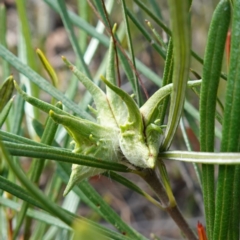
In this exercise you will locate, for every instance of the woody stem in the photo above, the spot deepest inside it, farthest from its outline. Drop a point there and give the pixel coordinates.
(154, 182)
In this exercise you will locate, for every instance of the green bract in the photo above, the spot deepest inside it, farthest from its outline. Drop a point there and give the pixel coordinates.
(122, 132)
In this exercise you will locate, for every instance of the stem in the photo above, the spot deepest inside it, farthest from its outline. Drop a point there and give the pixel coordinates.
(151, 178)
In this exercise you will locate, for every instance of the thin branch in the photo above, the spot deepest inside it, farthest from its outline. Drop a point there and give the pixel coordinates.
(152, 179)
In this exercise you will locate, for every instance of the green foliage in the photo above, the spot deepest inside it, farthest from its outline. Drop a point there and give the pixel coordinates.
(120, 132)
(211, 76)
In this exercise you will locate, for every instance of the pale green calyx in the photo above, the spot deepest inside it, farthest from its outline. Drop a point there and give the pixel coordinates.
(90, 139)
(123, 131)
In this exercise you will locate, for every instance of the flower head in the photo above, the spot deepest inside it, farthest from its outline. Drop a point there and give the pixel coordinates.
(122, 130)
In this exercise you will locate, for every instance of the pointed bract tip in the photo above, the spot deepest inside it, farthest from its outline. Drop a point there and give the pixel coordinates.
(66, 191)
(68, 188)
(59, 105)
(103, 79)
(10, 78)
(69, 64)
(51, 113)
(148, 23)
(114, 29)
(15, 84)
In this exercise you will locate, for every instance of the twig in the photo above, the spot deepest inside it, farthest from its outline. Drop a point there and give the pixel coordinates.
(151, 178)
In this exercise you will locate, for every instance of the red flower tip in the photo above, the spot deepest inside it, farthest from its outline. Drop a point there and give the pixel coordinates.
(201, 232)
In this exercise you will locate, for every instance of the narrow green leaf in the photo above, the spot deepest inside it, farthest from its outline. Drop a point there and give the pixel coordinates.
(101, 12)
(210, 79)
(5, 111)
(167, 78)
(22, 14)
(64, 156)
(228, 192)
(18, 192)
(84, 12)
(181, 53)
(157, 36)
(18, 113)
(6, 136)
(211, 73)
(126, 66)
(6, 91)
(156, 8)
(229, 158)
(51, 72)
